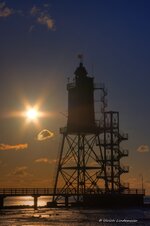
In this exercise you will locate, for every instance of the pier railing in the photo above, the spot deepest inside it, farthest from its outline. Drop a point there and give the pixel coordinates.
(26, 191)
(50, 191)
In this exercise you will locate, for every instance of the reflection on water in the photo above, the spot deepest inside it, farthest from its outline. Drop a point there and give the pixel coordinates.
(42, 201)
(68, 217)
(25, 201)
(72, 217)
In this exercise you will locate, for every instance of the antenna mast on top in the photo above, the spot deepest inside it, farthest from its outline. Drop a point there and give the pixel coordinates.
(80, 57)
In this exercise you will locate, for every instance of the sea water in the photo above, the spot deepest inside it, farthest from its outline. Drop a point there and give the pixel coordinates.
(70, 216)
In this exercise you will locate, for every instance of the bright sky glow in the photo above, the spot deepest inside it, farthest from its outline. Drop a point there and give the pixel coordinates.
(32, 114)
(36, 62)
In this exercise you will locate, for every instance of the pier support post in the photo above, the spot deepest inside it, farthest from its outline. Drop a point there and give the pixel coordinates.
(35, 201)
(2, 201)
(66, 200)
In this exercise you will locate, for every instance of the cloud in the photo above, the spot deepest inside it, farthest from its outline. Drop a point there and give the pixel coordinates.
(42, 16)
(45, 160)
(5, 11)
(21, 171)
(42, 160)
(16, 147)
(34, 10)
(46, 20)
(143, 148)
(44, 135)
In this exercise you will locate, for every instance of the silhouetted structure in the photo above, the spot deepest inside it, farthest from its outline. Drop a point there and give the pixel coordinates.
(89, 169)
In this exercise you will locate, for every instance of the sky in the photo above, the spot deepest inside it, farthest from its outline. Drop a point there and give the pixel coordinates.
(39, 44)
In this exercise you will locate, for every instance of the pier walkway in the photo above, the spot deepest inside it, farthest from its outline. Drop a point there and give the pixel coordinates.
(37, 192)
(34, 192)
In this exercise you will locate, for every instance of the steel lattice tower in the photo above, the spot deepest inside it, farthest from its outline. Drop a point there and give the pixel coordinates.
(112, 153)
(89, 157)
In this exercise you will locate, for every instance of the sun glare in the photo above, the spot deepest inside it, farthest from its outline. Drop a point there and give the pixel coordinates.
(32, 114)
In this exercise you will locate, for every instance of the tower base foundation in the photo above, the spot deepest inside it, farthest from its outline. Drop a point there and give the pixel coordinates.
(113, 200)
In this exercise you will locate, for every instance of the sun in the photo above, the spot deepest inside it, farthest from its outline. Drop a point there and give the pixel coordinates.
(32, 114)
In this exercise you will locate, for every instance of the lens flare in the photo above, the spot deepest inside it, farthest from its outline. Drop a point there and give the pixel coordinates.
(44, 135)
(32, 114)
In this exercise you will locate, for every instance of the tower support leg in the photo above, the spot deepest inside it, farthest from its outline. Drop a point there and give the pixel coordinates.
(74, 170)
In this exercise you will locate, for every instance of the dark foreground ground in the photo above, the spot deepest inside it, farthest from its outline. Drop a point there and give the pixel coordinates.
(74, 217)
